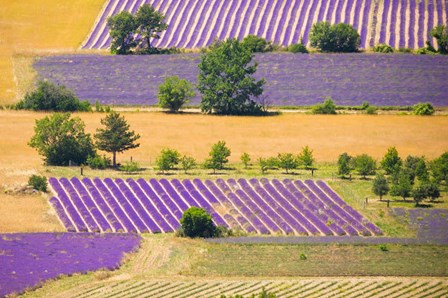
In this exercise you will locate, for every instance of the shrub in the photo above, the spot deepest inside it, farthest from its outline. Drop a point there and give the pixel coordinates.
(298, 48)
(425, 109)
(98, 162)
(383, 48)
(405, 50)
(328, 107)
(371, 110)
(130, 167)
(245, 159)
(167, 159)
(196, 222)
(334, 38)
(38, 182)
(51, 97)
(257, 44)
(174, 93)
(383, 247)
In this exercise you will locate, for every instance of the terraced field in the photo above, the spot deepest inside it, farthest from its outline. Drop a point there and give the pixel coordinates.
(195, 24)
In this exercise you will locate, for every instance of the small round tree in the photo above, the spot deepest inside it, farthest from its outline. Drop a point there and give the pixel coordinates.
(380, 186)
(174, 93)
(334, 38)
(196, 222)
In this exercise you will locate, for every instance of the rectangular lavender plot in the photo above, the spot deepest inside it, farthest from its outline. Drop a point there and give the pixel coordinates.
(155, 200)
(117, 209)
(91, 206)
(150, 207)
(136, 205)
(108, 213)
(62, 215)
(68, 206)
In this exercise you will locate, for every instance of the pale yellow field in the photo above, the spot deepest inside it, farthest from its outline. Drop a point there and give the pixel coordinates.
(193, 134)
(44, 26)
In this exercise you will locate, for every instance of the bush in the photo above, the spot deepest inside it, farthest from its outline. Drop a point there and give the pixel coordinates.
(130, 167)
(424, 109)
(405, 50)
(257, 44)
(334, 38)
(174, 93)
(51, 97)
(38, 182)
(298, 48)
(196, 222)
(371, 110)
(168, 159)
(98, 162)
(383, 48)
(328, 108)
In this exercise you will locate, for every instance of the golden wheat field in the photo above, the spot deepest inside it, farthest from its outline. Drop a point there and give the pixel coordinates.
(40, 26)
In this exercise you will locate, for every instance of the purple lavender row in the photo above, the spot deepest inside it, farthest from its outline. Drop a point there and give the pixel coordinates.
(149, 207)
(171, 40)
(421, 19)
(173, 194)
(348, 223)
(253, 207)
(292, 193)
(189, 26)
(357, 14)
(270, 35)
(277, 215)
(159, 205)
(238, 18)
(338, 11)
(365, 24)
(430, 19)
(331, 7)
(110, 216)
(202, 35)
(140, 211)
(355, 214)
(167, 35)
(309, 23)
(252, 218)
(311, 221)
(79, 205)
(348, 10)
(283, 207)
(404, 6)
(115, 206)
(296, 35)
(98, 25)
(386, 5)
(334, 222)
(393, 23)
(127, 207)
(203, 203)
(65, 201)
(168, 12)
(90, 204)
(412, 23)
(62, 215)
(241, 222)
(164, 197)
(281, 24)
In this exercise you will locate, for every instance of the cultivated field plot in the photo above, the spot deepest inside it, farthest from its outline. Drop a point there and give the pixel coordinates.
(29, 259)
(358, 287)
(195, 24)
(253, 206)
(291, 79)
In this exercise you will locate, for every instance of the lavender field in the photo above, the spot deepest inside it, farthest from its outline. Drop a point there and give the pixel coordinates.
(195, 24)
(254, 206)
(291, 80)
(27, 260)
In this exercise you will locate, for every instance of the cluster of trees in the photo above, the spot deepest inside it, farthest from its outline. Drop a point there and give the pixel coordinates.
(134, 32)
(62, 140)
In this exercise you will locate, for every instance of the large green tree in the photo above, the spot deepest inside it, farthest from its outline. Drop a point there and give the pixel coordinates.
(334, 38)
(116, 136)
(391, 162)
(365, 165)
(122, 29)
(61, 139)
(150, 23)
(226, 82)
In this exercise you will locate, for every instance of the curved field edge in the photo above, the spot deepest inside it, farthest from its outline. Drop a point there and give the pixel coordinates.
(173, 267)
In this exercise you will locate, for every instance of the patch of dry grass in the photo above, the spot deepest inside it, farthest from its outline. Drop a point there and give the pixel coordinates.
(40, 25)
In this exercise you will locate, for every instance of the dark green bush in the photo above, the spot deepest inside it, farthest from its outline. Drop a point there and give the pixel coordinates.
(383, 48)
(196, 222)
(327, 108)
(334, 38)
(425, 109)
(257, 44)
(130, 167)
(298, 48)
(38, 182)
(98, 162)
(51, 97)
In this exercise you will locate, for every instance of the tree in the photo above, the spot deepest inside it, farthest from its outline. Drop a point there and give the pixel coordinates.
(424, 109)
(365, 165)
(218, 156)
(60, 140)
(174, 93)
(150, 23)
(419, 194)
(116, 136)
(327, 107)
(257, 44)
(122, 29)
(380, 185)
(287, 161)
(196, 222)
(344, 164)
(391, 161)
(245, 159)
(403, 186)
(334, 38)
(226, 82)
(440, 33)
(167, 159)
(439, 168)
(52, 97)
(187, 163)
(416, 167)
(267, 163)
(306, 158)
